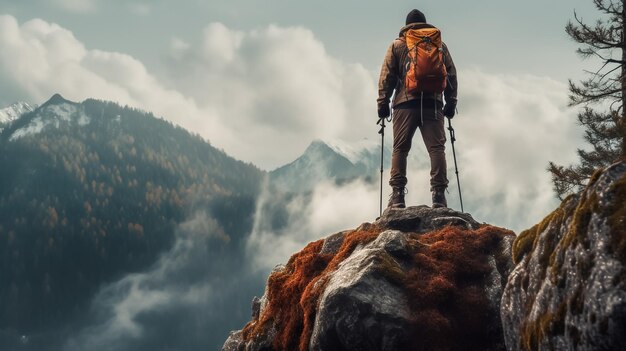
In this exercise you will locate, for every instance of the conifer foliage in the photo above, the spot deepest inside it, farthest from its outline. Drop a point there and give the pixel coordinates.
(601, 95)
(97, 193)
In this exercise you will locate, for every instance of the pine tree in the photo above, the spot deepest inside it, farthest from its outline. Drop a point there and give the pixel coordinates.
(602, 96)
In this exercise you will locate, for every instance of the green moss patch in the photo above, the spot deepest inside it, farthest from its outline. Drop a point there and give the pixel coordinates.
(526, 241)
(552, 322)
(616, 214)
(549, 323)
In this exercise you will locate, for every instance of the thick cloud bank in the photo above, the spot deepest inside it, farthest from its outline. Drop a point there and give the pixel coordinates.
(193, 295)
(273, 86)
(284, 223)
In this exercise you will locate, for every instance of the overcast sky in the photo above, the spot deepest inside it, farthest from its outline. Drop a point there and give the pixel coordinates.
(501, 36)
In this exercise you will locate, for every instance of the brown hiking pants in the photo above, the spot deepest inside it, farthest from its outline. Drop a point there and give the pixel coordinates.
(405, 123)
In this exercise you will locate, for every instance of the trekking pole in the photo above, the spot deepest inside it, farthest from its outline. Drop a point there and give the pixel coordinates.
(381, 122)
(456, 168)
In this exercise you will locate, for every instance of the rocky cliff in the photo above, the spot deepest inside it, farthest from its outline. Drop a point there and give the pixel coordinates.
(568, 289)
(416, 279)
(435, 279)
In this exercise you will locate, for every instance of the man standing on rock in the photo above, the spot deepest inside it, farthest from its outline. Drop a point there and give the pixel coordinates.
(419, 68)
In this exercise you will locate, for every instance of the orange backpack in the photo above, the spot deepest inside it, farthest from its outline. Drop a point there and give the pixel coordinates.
(426, 72)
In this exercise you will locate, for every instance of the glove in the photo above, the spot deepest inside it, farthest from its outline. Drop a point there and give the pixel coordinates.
(383, 111)
(450, 108)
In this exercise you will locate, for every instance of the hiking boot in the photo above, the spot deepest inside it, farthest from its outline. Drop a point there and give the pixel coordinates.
(439, 198)
(396, 200)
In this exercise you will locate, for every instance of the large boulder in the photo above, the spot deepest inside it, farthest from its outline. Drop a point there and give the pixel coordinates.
(568, 289)
(416, 279)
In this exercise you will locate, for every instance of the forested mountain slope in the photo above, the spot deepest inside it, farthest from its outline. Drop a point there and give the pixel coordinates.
(90, 191)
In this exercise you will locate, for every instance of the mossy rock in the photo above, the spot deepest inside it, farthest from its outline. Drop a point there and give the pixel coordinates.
(568, 289)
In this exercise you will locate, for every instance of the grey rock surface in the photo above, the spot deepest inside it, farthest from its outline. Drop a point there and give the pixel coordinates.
(234, 342)
(568, 290)
(360, 308)
(422, 219)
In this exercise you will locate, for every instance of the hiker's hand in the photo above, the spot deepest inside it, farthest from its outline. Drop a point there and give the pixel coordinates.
(383, 111)
(449, 109)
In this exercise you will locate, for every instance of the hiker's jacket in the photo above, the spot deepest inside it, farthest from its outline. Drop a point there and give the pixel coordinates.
(393, 72)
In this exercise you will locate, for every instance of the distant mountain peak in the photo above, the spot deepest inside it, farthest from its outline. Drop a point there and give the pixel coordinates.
(354, 151)
(57, 99)
(14, 111)
(326, 160)
(318, 145)
(55, 113)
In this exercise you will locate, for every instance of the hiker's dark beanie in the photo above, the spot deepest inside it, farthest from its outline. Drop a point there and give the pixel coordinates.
(415, 16)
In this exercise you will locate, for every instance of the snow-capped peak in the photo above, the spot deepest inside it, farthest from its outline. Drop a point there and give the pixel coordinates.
(356, 151)
(14, 111)
(55, 113)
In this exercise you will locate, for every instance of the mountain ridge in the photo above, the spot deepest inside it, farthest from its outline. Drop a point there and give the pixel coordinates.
(14, 111)
(330, 160)
(93, 191)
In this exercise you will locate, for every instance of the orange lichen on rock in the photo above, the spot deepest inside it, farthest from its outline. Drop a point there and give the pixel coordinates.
(284, 289)
(293, 292)
(315, 289)
(445, 287)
